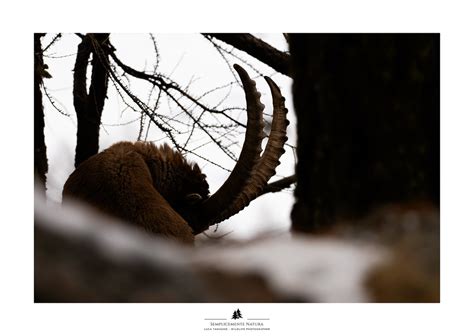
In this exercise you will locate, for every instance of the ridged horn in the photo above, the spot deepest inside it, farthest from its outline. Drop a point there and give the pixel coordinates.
(249, 156)
(267, 164)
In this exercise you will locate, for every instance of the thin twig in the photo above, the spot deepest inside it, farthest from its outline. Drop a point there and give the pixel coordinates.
(55, 39)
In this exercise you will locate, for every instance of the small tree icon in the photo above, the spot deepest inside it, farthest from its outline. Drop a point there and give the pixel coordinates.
(236, 315)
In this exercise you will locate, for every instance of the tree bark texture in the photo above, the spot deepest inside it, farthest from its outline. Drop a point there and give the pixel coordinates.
(368, 116)
(89, 105)
(40, 157)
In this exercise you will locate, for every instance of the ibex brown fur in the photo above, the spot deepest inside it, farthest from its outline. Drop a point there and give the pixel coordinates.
(158, 190)
(142, 184)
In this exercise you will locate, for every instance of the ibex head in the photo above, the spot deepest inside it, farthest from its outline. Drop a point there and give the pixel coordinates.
(157, 189)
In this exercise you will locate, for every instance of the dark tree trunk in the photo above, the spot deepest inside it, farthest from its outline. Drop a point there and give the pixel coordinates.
(89, 105)
(40, 158)
(368, 123)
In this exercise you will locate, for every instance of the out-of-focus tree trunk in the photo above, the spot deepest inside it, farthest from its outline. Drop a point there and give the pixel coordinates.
(40, 158)
(368, 123)
(89, 105)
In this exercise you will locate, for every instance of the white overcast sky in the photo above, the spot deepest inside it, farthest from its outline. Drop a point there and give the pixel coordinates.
(185, 58)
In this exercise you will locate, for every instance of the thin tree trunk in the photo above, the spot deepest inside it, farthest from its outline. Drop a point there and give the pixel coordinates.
(368, 123)
(89, 105)
(40, 158)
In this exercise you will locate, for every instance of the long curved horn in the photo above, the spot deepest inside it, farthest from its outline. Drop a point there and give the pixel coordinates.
(265, 167)
(248, 158)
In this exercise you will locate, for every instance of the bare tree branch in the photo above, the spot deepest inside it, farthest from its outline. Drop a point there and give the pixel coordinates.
(54, 103)
(167, 86)
(257, 48)
(53, 41)
(279, 185)
(161, 82)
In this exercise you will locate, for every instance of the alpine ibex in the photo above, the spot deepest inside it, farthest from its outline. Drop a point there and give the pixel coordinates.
(158, 190)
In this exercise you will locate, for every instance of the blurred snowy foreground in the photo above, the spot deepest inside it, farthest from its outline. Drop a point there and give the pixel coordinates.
(82, 256)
